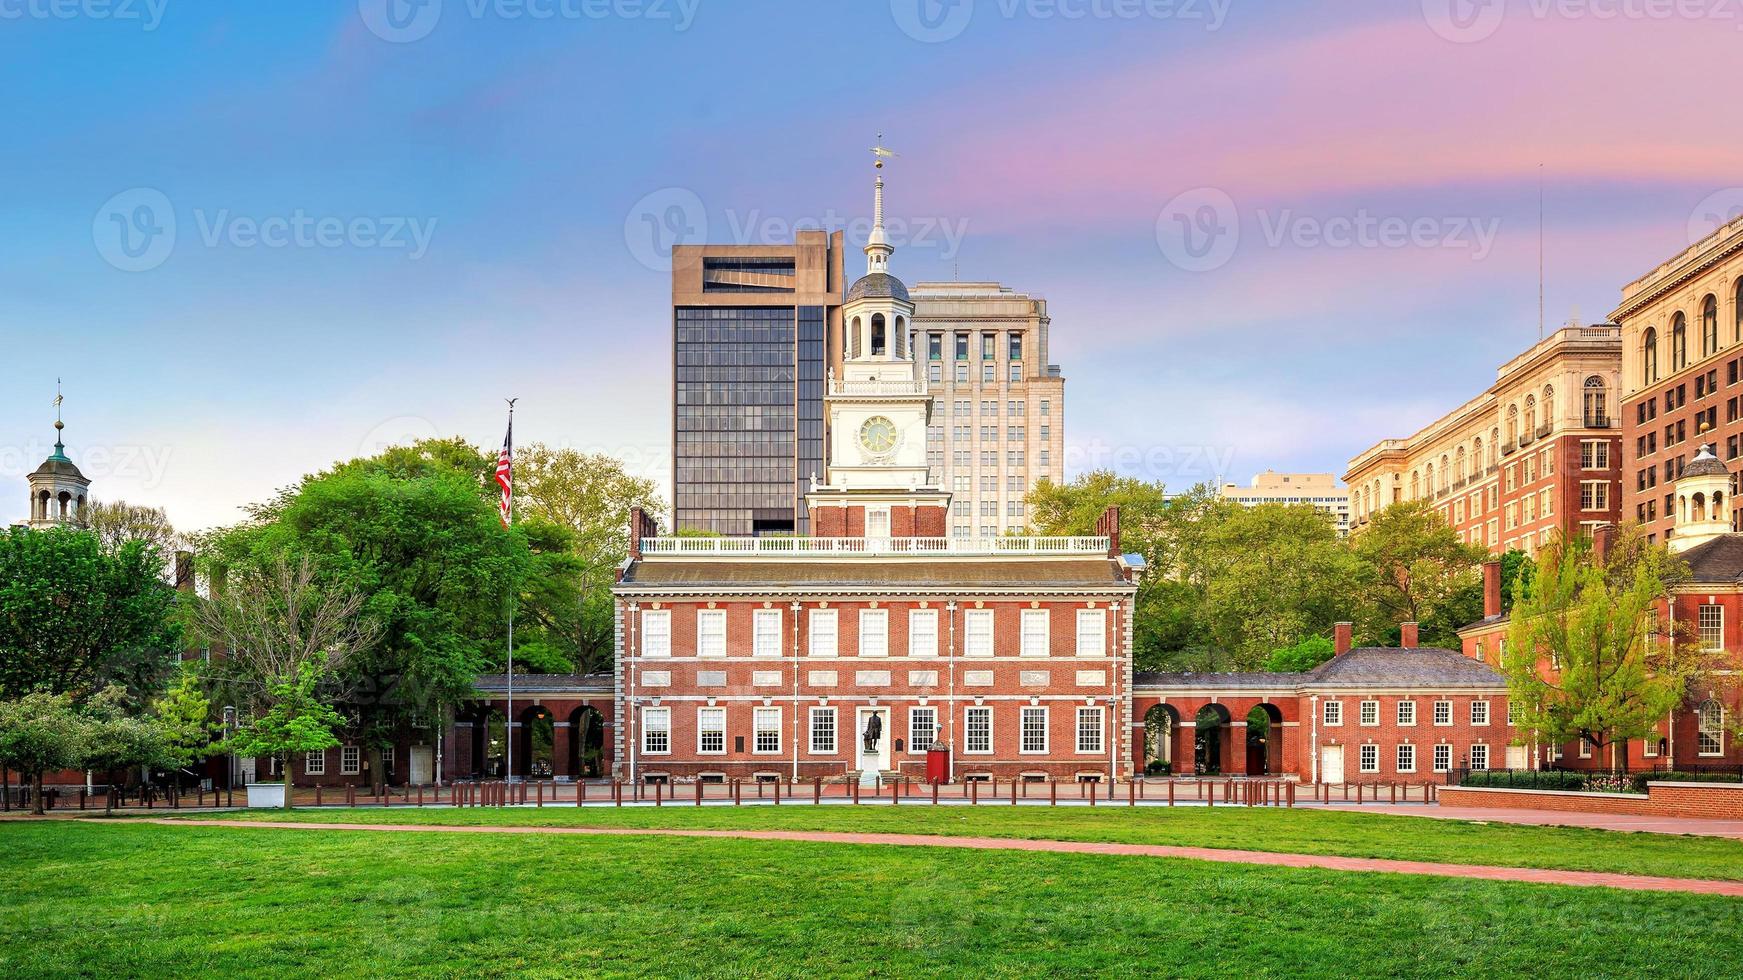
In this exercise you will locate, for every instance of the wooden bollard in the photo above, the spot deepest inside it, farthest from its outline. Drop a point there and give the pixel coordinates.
(1170, 792)
(1210, 797)
(1394, 788)
(616, 791)
(1014, 783)
(935, 793)
(856, 792)
(1092, 794)
(659, 793)
(816, 790)
(1132, 792)
(777, 792)
(1052, 793)
(580, 791)
(974, 792)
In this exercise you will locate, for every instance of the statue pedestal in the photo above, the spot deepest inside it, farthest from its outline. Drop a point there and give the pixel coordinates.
(868, 778)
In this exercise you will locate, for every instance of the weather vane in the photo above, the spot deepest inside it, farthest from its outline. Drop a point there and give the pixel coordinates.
(880, 151)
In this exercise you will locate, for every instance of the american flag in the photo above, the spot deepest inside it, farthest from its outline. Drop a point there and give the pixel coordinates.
(505, 471)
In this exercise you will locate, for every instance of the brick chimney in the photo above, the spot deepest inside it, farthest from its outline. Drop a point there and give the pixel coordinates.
(1492, 588)
(641, 526)
(185, 571)
(1341, 636)
(1109, 527)
(1603, 540)
(1407, 636)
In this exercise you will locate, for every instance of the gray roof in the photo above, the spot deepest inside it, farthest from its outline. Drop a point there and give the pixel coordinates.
(980, 574)
(535, 684)
(1361, 669)
(1705, 465)
(877, 285)
(1718, 560)
(58, 465)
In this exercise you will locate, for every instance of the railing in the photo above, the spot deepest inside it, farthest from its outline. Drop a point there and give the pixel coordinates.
(878, 387)
(859, 547)
(1544, 430)
(1598, 422)
(1508, 449)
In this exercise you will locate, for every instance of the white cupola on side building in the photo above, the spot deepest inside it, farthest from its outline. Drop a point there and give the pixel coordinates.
(58, 491)
(1702, 501)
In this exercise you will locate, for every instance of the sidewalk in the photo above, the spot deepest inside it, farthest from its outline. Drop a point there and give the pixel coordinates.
(1696, 826)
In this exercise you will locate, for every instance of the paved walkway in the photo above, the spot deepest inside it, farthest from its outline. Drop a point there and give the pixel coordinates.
(1732, 889)
(1556, 818)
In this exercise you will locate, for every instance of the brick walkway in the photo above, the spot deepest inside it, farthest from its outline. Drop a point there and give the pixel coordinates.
(1557, 818)
(1732, 889)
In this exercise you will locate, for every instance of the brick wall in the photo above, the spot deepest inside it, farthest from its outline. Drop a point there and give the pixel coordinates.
(1718, 801)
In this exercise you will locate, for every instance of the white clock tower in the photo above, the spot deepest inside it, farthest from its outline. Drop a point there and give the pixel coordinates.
(879, 407)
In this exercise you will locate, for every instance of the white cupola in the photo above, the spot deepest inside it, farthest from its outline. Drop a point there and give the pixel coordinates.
(1702, 504)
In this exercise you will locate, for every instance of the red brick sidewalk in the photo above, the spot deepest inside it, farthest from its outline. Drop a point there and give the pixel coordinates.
(1533, 875)
(1557, 818)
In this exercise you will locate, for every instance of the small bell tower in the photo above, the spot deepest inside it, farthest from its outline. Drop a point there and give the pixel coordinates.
(58, 491)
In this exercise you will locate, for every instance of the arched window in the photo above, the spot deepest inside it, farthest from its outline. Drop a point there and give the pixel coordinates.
(1679, 343)
(878, 341)
(1512, 426)
(1698, 507)
(901, 334)
(1428, 486)
(1445, 472)
(1477, 458)
(1530, 415)
(1737, 312)
(1460, 457)
(1710, 325)
(1549, 408)
(1710, 723)
(1595, 407)
(1415, 484)
(1649, 356)
(1494, 447)
(853, 338)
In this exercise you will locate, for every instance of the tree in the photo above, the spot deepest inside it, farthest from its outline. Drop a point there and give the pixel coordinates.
(113, 740)
(296, 719)
(184, 716)
(41, 732)
(1275, 575)
(118, 522)
(1301, 657)
(1465, 605)
(1590, 655)
(1411, 562)
(74, 615)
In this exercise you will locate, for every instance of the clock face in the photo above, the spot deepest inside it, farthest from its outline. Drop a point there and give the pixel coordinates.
(878, 434)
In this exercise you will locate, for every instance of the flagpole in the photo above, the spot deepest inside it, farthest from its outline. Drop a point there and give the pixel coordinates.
(507, 515)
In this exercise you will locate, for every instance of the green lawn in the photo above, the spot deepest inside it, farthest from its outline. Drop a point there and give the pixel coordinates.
(138, 899)
(1303, 831)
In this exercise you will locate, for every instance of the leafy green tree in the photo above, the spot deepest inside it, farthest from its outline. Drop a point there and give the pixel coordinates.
(74, 615)
(41, 732)
(184, 716)
(1465, 605)
(297, 719)
(1301, 657)
(115, 523)
(1589, 652)
(1410, 563)
(112, 739)
(1275, 575)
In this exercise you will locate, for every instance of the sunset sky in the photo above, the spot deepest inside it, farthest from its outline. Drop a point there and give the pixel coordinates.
(477, 196)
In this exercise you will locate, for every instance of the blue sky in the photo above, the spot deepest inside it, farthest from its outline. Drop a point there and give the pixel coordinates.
(387, 217)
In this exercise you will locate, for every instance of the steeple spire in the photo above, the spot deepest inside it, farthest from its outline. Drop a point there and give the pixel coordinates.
(877, 245)
(60, 449)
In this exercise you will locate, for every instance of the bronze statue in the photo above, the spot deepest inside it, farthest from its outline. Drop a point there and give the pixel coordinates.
(874, 730)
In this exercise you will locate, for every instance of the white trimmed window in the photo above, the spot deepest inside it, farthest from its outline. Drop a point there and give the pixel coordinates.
(1595, 495)
(767, 731)
(823, 632)
(1479, 756)
(1370, 713)
(1512, 715)
(766, 633)
(1585, 747)
(1034, 731)
(1333, 713)
(1443, 758)
(1035, 629)
(922, 728)
(874, 632)
(1479, 712)
(1710, 729)
(350, 760)
(1089, 729)
(1443, 712)
(1407, 712)
(1594, 454)
(657, 731)
(822, 731)
(1092, 632)
(710, 632)
(978, 624)
(1406, 758)
(657, 633)
(923, 633)
(978, 731)
(1370, 758)
(711, 731)
(1649, 746)
(1712, 623)
(315, 763)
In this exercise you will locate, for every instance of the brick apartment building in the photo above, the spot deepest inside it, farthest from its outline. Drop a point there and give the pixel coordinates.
(1682, 331)
(1536, 453)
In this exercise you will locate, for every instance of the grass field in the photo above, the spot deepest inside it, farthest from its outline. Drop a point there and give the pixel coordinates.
(1301, 831)
(128, 898)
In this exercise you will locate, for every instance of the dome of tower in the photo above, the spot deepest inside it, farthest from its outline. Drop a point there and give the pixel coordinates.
(1705, 464)
(877, 285)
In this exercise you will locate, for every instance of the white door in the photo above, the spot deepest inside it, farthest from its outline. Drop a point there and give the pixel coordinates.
(423, 761)
(876, 759)
(1331, 764)
(1517, 757)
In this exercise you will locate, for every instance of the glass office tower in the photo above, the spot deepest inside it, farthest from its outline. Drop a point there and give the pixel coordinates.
(750, 336)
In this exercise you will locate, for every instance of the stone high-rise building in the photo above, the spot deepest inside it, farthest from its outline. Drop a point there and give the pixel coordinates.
(1000, 419)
